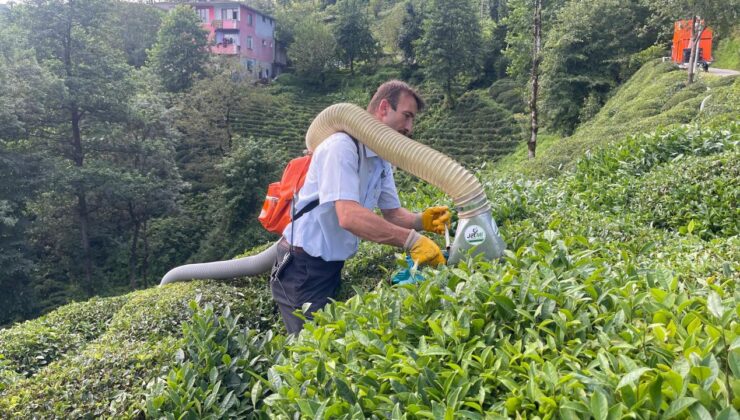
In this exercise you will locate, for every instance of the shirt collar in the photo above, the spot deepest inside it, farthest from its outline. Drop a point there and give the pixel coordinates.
(369, 152)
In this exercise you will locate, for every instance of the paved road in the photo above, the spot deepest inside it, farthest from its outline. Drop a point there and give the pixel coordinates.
(723, 72)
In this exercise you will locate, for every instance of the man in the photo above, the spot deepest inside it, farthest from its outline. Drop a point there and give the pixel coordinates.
(350, 180)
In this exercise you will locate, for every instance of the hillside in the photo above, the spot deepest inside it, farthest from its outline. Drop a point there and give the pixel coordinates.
(478, 129)
(618, 297)
(656, 96)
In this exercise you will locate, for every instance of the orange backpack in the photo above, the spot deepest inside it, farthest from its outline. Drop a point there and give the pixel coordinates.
(278, 206)
(276, 210)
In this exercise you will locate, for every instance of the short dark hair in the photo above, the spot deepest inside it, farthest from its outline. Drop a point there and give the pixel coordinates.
(391, 91)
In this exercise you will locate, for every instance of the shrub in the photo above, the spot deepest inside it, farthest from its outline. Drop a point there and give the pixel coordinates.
(29, 346)
(220, 372)
(693, 194)
(106, 377)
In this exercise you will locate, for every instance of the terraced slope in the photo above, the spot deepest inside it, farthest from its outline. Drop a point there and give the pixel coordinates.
(477, 130)
(284, 121)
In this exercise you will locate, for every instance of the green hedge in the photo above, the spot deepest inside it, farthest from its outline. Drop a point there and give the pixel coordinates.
(107, 376)
(29, 346)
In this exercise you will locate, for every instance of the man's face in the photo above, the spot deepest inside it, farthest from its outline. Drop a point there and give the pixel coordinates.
(402, 118)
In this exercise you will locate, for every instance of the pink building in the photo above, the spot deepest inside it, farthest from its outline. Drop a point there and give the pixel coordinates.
(238, 30)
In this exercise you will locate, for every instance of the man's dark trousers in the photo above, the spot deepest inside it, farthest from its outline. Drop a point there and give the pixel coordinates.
(304, 279)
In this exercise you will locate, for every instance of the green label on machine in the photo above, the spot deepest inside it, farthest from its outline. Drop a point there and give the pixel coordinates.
(474, 235)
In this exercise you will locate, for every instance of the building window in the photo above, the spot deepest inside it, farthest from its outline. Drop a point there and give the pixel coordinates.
(230, 14)
(263, 18)
(231, 39)
(202, 14)
(249, 42)
(264, 42)
(249, 19)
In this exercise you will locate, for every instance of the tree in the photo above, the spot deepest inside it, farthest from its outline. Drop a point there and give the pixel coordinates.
(180, 54)
(584, 55)
(208, 117)
(450, 46)
(148, 182)
(411, 30)
(235, 204)
(135, 26)
(71, 41)
(535, 81)
(313, 50)
(352, 33)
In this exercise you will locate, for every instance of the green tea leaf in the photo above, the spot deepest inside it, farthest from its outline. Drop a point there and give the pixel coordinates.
(599, 405)
(698, 412)
(678, 406)
(714, 303)
(728, 413)
(633, 376)
(344, 391)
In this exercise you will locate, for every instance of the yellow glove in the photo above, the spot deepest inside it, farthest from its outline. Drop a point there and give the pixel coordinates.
(434, 219)
(423, 250)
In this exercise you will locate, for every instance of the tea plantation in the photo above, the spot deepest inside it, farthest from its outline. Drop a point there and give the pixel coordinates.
(617, 298)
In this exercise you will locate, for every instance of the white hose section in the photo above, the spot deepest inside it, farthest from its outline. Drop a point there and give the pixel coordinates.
(418, 159)
(248, 266)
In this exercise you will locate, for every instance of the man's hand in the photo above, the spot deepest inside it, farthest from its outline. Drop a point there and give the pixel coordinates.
(423, 250)
(434, 219)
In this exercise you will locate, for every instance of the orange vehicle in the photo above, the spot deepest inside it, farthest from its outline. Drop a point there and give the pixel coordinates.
(681, 49)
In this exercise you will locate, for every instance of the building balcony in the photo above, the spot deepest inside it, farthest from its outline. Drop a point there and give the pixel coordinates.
(225, 49)
(225, 24)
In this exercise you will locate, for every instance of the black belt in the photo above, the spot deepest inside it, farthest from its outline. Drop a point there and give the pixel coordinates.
(285, 245)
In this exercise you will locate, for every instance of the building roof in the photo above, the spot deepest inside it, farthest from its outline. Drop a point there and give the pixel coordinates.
(170, 5)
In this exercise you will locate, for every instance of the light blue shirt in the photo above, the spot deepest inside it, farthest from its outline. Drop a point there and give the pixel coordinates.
(334, 175)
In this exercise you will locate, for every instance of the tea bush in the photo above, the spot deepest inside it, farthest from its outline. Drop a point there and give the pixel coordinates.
(698, 194)
(557, 331)
(220, 372)
(107, 376)
(29, 346)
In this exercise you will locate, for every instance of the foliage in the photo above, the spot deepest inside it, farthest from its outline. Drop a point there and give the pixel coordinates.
(136, 26)
(411, 31)
(107, 376)
(30, 346)
(247, 171)
(180, 54)
(388, 28)
(698, 195)
(313, 49)
(482, 129)
(208, 119)
(583, 55)
(581, 320)
(519, 34)
(220, 371)
(449, 47)
(656, 96)
(355, 41)
(727, 53)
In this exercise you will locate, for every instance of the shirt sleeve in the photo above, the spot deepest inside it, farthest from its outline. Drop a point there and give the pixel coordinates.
(388, 198)
(338, 170)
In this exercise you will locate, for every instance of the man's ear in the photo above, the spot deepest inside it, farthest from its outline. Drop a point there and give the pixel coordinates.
(383, 107)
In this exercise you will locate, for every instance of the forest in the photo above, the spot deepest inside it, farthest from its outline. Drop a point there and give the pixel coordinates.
(127, 149)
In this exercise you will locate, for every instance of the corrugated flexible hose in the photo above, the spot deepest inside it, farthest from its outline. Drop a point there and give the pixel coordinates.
(420, 160)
